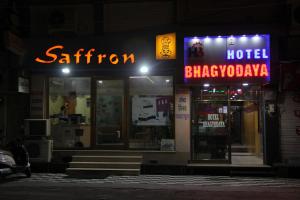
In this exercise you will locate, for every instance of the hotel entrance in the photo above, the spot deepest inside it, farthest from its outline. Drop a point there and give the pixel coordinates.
(226, 125)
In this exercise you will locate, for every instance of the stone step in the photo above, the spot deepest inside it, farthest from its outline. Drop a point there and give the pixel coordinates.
(241, 148)
(107, 153)
(112, 165)
(94, 172)
(94, 158)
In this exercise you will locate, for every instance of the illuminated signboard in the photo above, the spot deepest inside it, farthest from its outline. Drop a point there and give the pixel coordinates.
(57, 54)
(166, 46)
(227, 58)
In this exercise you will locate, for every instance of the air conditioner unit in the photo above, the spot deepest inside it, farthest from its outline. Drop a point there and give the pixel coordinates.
(39, 150)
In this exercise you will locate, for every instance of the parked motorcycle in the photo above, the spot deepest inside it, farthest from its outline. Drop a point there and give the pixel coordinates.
(14, 160)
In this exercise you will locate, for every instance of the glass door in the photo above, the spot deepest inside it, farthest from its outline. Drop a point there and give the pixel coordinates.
(109, 111)
(210, 128)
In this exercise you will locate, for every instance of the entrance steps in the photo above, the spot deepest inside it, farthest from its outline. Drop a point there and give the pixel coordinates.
(105, 162)
(241, 148)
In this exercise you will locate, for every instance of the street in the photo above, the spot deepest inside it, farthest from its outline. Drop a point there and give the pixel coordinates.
(59, 186)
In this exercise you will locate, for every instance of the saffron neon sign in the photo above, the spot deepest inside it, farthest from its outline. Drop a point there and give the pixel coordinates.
(227, 58)
(57, 54)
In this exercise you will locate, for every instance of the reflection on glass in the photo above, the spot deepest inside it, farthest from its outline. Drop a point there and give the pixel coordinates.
(249, 93)
(210, 93)
(152, 111)
(69, 110)
(210, 131)
(109, 105)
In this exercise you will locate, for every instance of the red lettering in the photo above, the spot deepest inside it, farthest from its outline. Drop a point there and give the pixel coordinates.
(223, 70)
(264, 70)
(239, 70)
(214, 71)
(188, 72)
(197, 71)
(247, 71)
(255, 68)
(230, 71)
(205, 71)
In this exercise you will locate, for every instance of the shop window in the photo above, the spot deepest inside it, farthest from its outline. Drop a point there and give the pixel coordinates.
(69, 111)
(109, 111)
(152, 113)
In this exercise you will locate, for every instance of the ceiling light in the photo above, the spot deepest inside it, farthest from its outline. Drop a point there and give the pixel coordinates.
(144, 69)
(65, 70)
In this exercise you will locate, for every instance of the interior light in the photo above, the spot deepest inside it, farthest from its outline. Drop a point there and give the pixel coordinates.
(100, 81)
(206, 85)
(65, 70)
(144, 69)
(239, 90)
(167, 80)
(245, 84)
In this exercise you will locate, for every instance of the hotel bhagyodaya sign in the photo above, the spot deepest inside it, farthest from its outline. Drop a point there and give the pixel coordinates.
(227, 58)
(166, 46)
(57, 54)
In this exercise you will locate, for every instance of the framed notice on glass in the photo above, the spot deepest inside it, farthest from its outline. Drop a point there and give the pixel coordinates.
(23, 85)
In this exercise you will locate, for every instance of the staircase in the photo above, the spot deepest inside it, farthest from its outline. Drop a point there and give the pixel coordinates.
(105, 162)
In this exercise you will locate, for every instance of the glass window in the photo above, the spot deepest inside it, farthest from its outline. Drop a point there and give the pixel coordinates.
(210, 93)
(69, 110)
(246, 93)
(109, 111)
(210, 130)
(152, 112)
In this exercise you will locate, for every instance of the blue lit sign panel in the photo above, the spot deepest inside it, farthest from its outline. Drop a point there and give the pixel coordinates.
(227, 58)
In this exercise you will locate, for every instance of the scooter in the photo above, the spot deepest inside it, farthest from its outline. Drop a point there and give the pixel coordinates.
(14, 160)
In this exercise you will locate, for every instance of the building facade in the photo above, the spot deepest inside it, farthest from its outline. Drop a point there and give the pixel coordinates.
(193, 85)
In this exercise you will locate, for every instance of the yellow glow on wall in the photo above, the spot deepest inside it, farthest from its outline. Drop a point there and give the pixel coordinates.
(166, 46)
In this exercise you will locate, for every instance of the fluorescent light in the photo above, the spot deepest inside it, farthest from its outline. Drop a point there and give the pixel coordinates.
(167, 80)
(100, 81)
(206, 85)
(65, 70)
(245, 84)
(239, 90)
(145, 77)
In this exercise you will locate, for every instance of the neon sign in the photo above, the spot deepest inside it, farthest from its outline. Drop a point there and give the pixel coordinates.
(222, 71)
(227, 58)
(54, 55)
